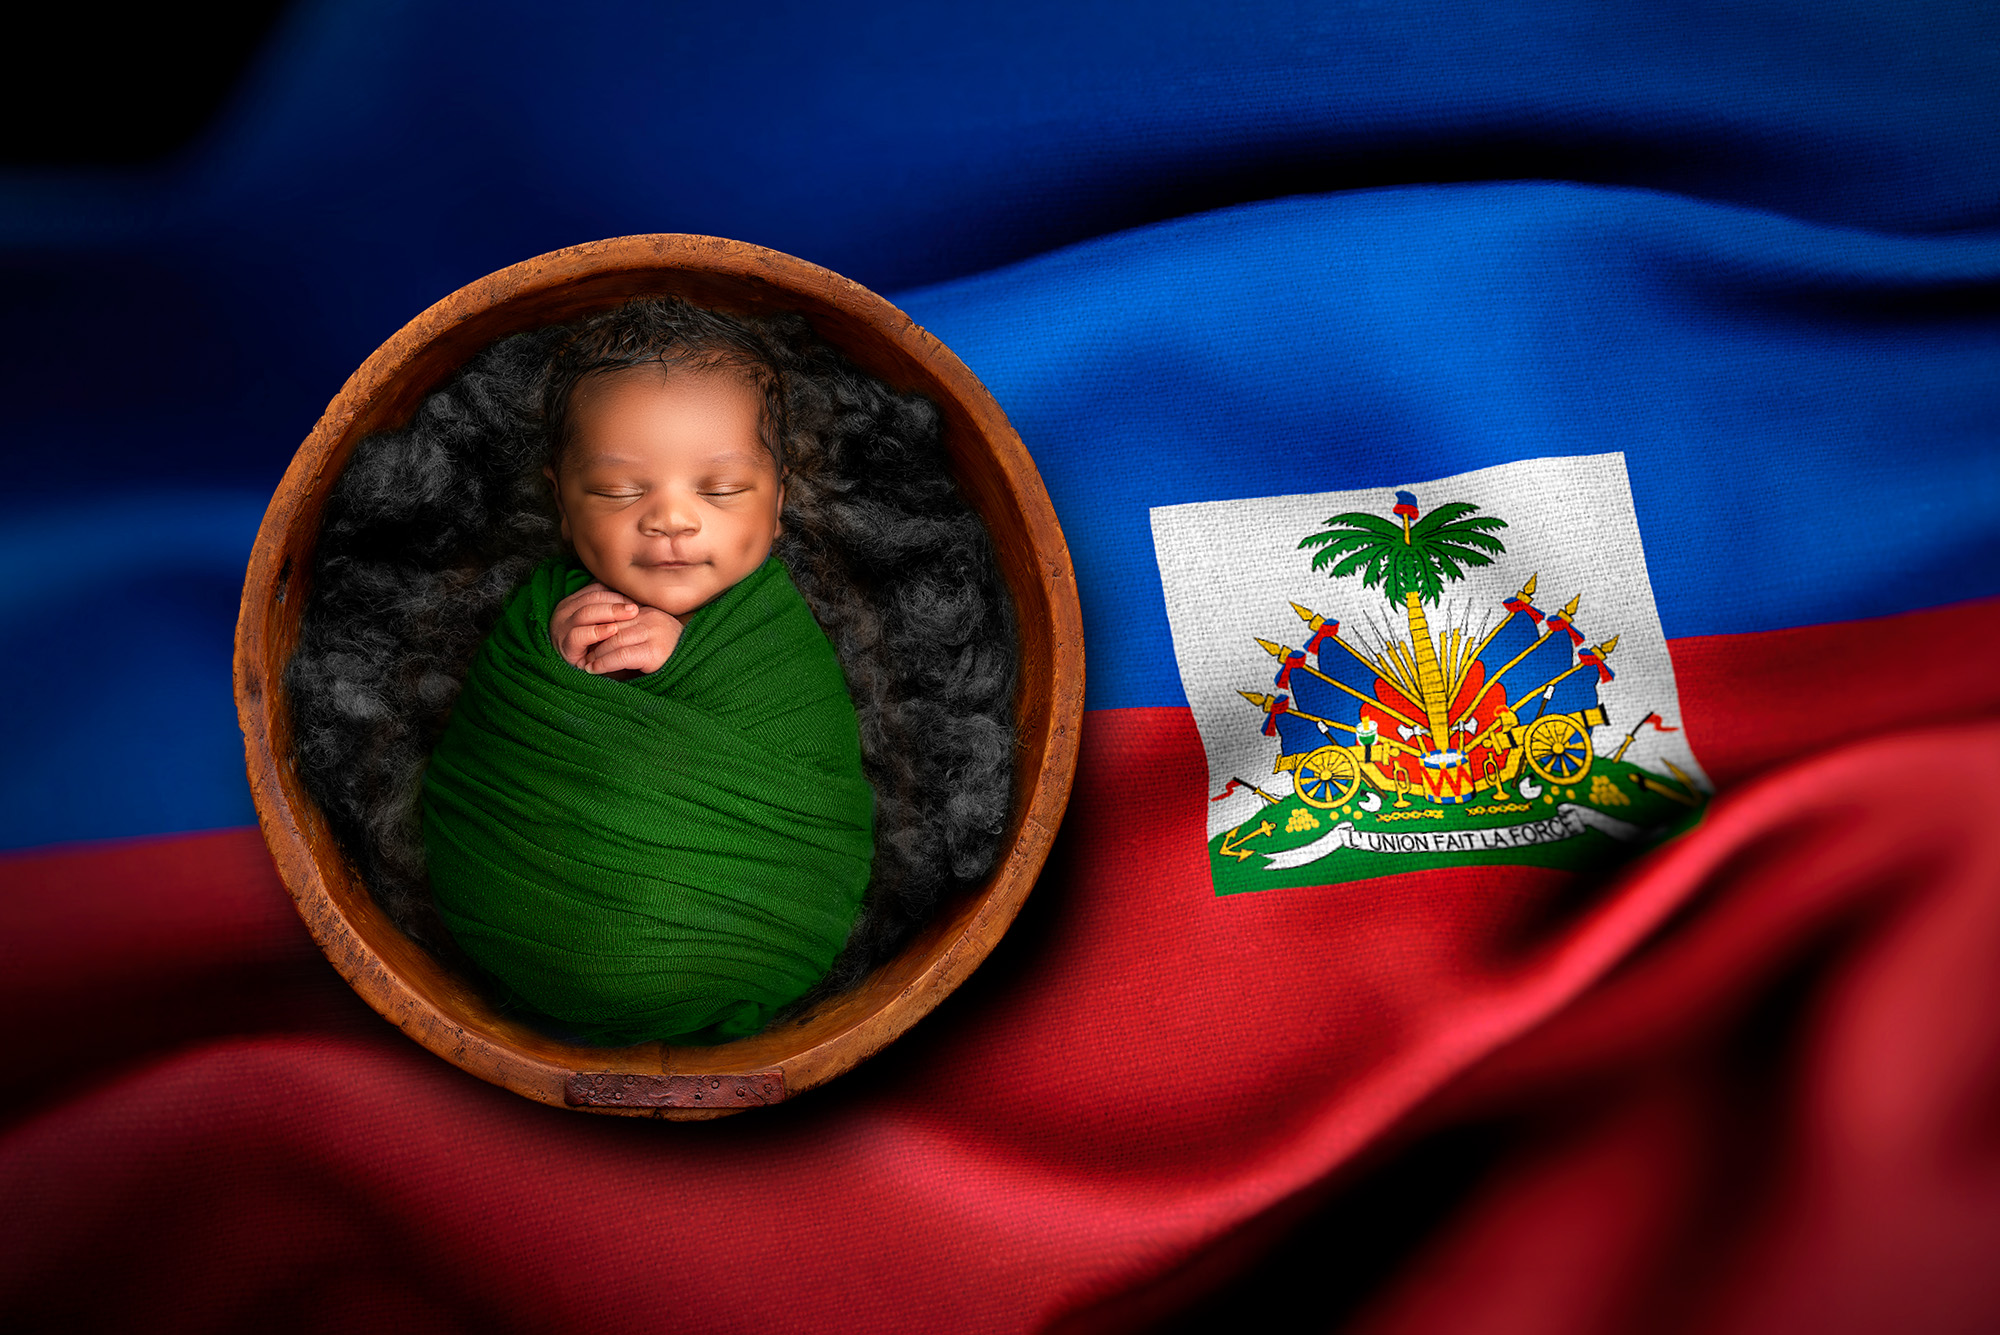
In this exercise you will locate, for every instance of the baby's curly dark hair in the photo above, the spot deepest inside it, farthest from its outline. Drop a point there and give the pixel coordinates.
(672, 336)
(430, 528)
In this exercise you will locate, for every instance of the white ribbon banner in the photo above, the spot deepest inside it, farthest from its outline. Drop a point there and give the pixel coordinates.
(1567, 821)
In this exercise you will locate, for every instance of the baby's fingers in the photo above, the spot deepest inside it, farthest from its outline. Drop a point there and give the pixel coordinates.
(644, 656)
(577, 639)
(593, 614)
(597, 604)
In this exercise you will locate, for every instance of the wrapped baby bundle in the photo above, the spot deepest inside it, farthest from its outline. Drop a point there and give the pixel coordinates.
(674, 857)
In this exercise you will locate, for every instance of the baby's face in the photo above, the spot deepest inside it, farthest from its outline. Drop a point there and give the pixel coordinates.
(667, 492)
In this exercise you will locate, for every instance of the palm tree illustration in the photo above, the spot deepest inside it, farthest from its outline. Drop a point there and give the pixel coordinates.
(1410, 565)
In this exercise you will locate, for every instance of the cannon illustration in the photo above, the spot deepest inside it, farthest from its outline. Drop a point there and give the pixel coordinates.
(1449, 720)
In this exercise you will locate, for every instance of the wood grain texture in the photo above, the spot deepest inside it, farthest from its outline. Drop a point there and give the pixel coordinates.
(606, 1090)
(398, 977)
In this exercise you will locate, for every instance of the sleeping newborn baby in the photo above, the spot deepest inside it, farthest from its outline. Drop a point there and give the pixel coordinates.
(647, 817)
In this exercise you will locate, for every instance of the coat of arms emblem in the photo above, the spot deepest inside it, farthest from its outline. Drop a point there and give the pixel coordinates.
(1385, 680)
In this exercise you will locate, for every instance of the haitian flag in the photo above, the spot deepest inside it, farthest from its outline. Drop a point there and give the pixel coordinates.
(1702, 308)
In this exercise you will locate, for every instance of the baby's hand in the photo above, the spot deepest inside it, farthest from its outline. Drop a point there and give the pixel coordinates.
(635, 647)
(607, 633)
(591, 614)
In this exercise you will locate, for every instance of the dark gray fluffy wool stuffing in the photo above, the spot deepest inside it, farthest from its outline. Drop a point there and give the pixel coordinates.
(430, 527)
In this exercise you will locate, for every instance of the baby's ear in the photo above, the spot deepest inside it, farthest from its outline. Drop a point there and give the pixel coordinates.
(555, 489)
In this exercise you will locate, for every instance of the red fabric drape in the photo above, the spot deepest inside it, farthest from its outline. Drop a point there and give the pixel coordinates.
(1746, 1084)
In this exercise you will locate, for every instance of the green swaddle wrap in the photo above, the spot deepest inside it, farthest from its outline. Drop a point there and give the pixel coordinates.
(673, 857)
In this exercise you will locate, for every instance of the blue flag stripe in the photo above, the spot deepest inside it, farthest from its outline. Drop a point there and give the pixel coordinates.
(1384, 338)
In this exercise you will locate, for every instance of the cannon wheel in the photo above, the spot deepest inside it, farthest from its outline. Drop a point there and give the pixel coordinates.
(1327, 777)
(1559, 749)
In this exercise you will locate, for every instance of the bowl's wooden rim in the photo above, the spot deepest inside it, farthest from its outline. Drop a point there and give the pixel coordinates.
(404, 983)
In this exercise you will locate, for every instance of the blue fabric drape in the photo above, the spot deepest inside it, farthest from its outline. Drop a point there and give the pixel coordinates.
(1196, 251)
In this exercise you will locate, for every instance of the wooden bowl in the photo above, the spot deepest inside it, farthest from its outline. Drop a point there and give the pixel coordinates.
(441, 1010)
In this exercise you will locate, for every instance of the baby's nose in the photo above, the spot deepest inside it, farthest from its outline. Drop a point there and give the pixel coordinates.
(671, 517)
